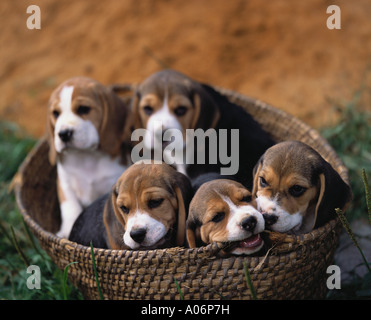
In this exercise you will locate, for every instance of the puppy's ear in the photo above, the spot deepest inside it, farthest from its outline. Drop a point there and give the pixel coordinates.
(113, 221)
(207, 113)
(50, 138)
(255, 174)
(116, 122)
(197, 106)
(193, 232)
(182, 216)
(333, 193)
(183, 191)
(137, 120)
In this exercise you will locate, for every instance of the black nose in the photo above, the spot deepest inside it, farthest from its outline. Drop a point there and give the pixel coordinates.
(65, 135)
(270, 219)
(249, 223)
(138, 235)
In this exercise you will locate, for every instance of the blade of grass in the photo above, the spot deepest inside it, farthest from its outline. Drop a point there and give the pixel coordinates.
(65, 274)
(249, 282)
(179, 290)
(5, 232)
(31, 239)
(12, 267)
(220, 295)
(367, 191)
(17, 247)
(348, 229)
(35, 246)
(95, 271)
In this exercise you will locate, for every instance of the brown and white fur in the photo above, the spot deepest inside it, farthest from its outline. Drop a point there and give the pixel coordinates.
(180, 103)
(223, 211)
(88, 130)
(146, 209)
(296, 190)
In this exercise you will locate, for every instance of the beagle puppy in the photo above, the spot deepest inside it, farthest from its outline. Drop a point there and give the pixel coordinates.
(146, 209)
(178, 102)
(88, 134)
(224, 211)
(296, 190)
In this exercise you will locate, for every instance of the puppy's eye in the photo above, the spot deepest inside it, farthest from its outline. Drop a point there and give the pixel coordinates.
(297, 191)
(180, 111)
(125, 209)
(82, 110)
(55, 114)
(218, 217)
(263, 183)
(148, 110)
(154, 203)
(246, 199)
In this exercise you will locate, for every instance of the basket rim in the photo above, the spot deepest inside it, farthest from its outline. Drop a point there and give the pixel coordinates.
(290, 242)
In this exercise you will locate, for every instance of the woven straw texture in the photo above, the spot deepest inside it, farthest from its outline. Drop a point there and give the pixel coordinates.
(294, 269)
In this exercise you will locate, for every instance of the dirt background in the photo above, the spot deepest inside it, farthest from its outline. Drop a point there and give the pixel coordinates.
(278, 51)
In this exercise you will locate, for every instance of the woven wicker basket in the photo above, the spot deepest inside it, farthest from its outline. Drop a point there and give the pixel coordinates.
(294, 269)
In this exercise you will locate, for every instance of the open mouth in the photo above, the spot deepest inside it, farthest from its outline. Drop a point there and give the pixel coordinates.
(251, 242)
(246, 246)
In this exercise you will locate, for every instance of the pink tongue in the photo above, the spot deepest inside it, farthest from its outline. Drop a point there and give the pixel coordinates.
(251, 242)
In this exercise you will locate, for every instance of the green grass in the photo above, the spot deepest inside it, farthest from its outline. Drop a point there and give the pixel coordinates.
(179, 289)
(249, 283)
(18, 247)
(351, 139)
(95, 271)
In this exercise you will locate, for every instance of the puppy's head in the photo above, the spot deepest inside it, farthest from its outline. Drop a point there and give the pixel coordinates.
(83, 114)
(296, 189)
(147, 208)
(171, 100)
(223, 211)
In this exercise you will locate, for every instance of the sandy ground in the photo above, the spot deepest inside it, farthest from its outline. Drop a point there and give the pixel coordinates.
(278, 51)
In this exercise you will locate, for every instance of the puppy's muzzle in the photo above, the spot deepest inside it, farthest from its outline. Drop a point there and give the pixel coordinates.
(138, 235)
(65, 135)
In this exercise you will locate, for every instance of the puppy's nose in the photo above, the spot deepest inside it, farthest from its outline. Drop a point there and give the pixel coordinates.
(138, 235)
(65, 135)
(249, 223)
(270, 219)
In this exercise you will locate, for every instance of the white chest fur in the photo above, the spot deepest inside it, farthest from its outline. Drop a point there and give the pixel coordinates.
(86, 175)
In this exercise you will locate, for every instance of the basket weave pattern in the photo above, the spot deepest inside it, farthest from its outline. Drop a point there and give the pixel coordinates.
(294, 269)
